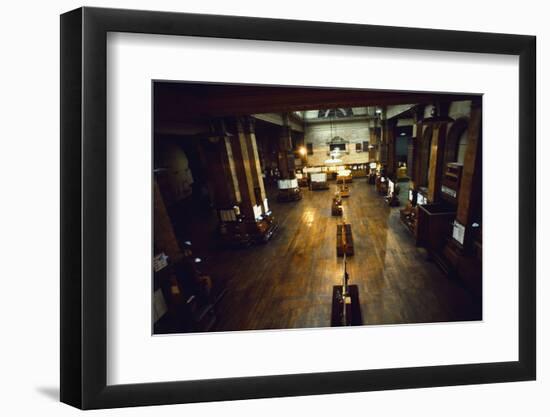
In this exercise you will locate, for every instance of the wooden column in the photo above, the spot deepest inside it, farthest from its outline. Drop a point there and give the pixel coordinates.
(163, 233)
(243, 161)
(373, 144)
(217, 158)
(252, 146)
(267, 147)
(415, 169)
(383, 144)
(469, 197)
(285, 155)
(390, 139)
(437, 153)
(410, 156)
(254, 160)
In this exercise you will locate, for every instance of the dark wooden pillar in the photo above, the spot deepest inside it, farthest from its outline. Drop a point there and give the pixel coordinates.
(373, 144)
(254, 161)
(285, 156)
(234, 178)
(390, 140)
(415, 169)
(217, 158)
(267, 145)
(164, 237)
(437, 158)
(438, 122)
(469, 197)
(243, 167)
(383, 144)
(417, 159)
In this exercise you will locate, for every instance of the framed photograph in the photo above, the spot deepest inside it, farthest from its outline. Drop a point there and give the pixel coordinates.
(257, 208)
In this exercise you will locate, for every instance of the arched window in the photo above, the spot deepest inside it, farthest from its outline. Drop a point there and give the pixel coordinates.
(457, 140)
(335, 113)
(461, 148)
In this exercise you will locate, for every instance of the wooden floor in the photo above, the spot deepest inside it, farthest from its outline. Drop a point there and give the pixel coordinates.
(287, 282)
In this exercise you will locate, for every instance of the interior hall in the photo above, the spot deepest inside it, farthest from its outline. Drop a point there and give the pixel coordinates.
(292, 207)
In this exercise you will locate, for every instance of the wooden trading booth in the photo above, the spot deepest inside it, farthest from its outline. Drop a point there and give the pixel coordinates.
(318, 181)
(289, 190)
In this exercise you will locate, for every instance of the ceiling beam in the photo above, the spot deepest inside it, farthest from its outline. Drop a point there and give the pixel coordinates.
(183, 101)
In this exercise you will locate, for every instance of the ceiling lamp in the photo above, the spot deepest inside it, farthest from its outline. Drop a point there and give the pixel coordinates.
(436, 116)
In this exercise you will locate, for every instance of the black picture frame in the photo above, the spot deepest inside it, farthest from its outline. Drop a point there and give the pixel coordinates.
(84, 206)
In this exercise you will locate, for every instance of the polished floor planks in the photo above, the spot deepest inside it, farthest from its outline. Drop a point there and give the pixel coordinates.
(287, 282)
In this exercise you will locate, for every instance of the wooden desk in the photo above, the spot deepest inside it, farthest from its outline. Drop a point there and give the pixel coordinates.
(336, 207)
(434, 226)
(344, 191)
(353, 310)
(342, 179)
(318, 185)
(344, 238)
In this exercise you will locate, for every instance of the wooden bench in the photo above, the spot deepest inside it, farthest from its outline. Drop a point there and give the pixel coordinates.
(353, 315)
(344, 191)
(336, 206)
(344, 240)
(343, 179)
